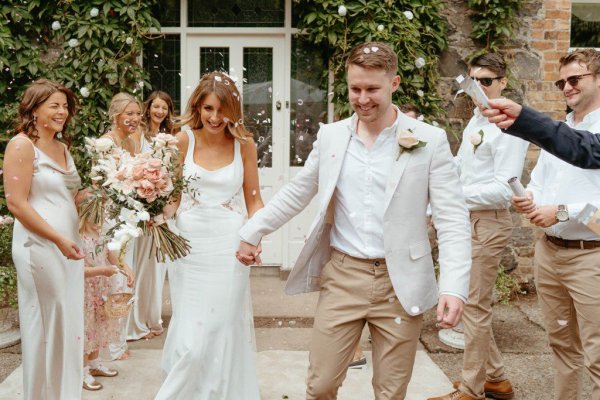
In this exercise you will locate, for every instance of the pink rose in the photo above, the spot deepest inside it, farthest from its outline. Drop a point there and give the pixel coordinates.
(137, 172)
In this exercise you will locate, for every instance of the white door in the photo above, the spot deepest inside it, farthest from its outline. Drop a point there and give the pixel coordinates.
(258, 62)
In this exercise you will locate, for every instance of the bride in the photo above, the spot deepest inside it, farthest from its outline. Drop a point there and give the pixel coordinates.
(208, 352)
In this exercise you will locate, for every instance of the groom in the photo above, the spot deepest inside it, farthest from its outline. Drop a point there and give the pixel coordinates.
(368, 251)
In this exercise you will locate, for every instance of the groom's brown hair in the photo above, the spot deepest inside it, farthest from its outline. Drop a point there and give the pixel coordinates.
(374, 55)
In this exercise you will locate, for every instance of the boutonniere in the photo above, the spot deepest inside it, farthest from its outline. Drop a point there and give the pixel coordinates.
(476, 139)
(407, 141)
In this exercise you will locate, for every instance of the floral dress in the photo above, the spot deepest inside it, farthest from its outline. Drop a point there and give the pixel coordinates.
(99, 329)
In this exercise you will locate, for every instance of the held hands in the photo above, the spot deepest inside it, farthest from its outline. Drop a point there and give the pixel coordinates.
(502, 112)
(108, 270)
(449, 311)
(69, 249)
(248, 254)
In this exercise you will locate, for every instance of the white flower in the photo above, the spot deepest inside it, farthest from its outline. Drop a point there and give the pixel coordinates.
(129, 216)
(420, 93)
(407, 139)
(380, 28)
(114, 246)
(435, 123)
(475, 139)
(73, 42)
(85, 93)
(409, 15)
(366, 50)
(94, 12)
(6, 220)
(103, 144)
(420, 62)
(55, 25)
(143, 215)
(421, 118)
(141, 83)
(342, 11)
(129, 40)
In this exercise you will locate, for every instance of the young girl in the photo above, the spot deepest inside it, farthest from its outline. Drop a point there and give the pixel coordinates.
(100, 330)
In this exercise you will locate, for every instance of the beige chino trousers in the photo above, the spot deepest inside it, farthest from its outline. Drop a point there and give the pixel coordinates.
(355, 292)
(491, 231)
(568, 286)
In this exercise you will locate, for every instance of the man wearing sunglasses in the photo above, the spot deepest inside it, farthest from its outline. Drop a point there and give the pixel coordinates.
(580, 148)
(566, 259)
(486, 159)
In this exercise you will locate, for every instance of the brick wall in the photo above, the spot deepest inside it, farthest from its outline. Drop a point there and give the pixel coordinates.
(540, 40)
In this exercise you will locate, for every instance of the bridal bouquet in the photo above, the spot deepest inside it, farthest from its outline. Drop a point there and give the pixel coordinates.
(132, 191)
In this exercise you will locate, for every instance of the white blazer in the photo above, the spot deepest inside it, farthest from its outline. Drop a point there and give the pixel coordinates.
(421, 176)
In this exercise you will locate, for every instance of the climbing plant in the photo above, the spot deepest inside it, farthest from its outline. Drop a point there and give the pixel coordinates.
(91, 47)
(493, 21)
(415, 29)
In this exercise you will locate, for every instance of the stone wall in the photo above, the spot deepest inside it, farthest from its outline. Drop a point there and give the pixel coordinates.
(540, 40)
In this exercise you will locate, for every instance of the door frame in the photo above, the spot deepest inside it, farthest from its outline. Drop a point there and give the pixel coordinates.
(272, 178)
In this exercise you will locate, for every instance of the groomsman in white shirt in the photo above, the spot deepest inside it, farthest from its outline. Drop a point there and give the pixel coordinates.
(367, 251)
(487, 158)
(567, 269)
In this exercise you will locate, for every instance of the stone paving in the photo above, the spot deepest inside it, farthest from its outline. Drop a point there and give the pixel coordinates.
(282, 330)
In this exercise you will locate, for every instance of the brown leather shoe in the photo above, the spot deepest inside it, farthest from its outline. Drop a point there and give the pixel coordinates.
(457, 395)
(495, 390)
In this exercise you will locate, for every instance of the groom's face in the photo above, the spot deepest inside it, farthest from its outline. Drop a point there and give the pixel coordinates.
(370, 91)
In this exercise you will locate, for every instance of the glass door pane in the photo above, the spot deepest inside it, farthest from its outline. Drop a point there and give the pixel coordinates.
(214, 59)
(258, 100)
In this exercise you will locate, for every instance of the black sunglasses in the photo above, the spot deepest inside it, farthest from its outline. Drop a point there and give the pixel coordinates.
(573, 81)
(487, 82)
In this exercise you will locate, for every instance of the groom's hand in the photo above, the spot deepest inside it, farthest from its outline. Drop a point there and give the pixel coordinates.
(248, 254)
(449, 311)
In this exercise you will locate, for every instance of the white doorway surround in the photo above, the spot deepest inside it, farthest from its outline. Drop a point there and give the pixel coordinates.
(260, 63)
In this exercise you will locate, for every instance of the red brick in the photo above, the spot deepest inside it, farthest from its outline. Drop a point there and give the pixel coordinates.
(544, 45)
(537, 34)
(554, 96)
(558, 14)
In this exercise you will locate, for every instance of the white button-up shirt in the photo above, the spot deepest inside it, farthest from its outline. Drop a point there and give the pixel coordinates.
(484, 172)
(360, 192)
(554, 181)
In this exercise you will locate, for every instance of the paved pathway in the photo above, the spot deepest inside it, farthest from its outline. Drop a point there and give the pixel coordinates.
(282, 335)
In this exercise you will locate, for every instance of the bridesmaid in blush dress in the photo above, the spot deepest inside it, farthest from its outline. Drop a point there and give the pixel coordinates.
(41, 183)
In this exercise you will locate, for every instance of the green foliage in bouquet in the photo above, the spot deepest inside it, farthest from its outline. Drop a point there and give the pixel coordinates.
(91, 47)
(415, 29)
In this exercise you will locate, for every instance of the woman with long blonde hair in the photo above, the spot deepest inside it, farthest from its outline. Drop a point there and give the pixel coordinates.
(125, 116)
(208, 351)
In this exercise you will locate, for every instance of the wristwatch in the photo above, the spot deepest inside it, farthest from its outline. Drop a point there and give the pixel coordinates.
(562, 214)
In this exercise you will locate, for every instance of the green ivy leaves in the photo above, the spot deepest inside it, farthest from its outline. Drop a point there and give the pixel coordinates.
(421, 36)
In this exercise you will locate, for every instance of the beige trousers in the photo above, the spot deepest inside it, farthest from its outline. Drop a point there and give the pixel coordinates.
(355, 292)
(568, 285)
(490, 233)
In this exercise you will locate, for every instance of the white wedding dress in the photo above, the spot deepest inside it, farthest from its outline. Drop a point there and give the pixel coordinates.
(208, 353)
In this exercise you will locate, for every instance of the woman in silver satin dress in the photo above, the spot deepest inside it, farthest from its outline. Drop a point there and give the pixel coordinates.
(41, 183)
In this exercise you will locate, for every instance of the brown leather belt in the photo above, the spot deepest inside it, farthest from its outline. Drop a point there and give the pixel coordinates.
(574, 244)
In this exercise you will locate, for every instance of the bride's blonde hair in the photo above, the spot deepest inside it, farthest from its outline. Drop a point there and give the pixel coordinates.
(224, 88)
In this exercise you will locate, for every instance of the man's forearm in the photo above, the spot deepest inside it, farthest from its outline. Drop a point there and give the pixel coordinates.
(579, 148)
